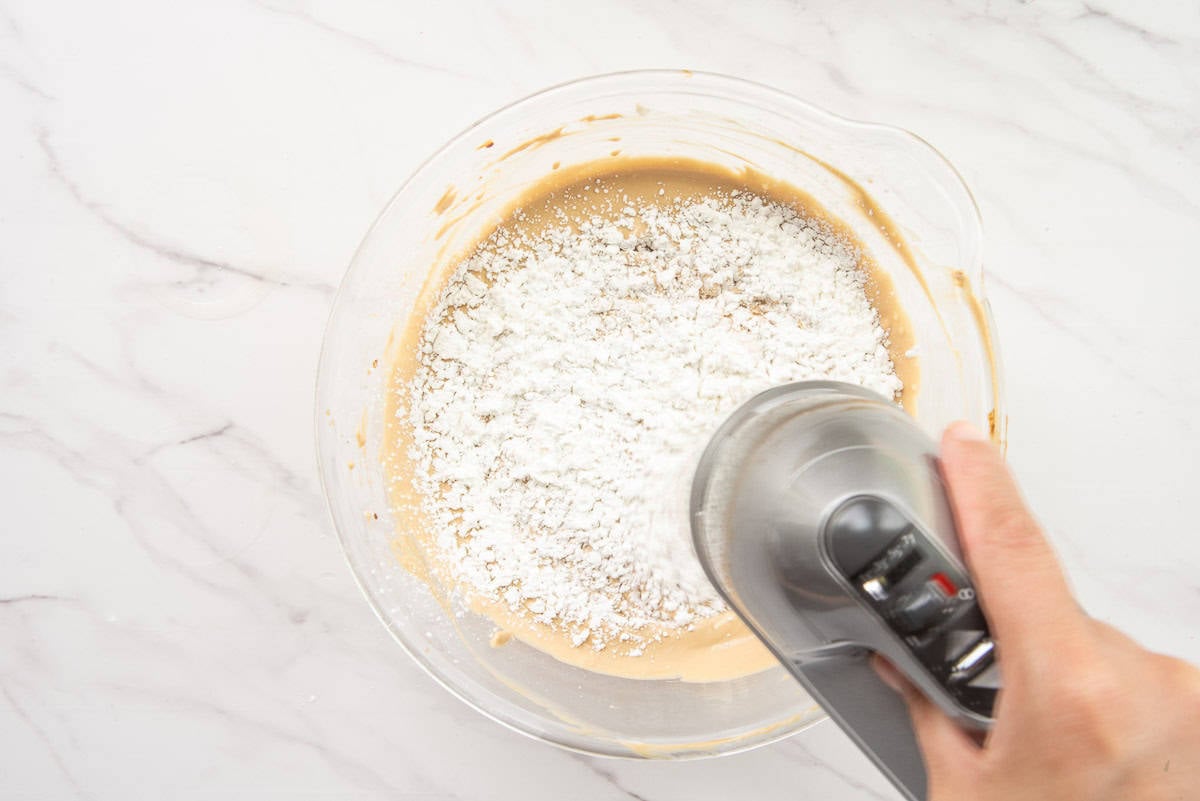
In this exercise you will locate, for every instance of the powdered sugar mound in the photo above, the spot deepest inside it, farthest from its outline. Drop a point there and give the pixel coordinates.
(565, 379)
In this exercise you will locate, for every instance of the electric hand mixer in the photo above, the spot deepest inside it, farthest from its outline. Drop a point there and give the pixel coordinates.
(819, 514)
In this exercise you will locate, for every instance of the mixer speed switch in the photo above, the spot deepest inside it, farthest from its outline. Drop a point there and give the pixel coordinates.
(919, 609)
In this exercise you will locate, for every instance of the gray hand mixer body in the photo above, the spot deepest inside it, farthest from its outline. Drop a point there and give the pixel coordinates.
(819, 514)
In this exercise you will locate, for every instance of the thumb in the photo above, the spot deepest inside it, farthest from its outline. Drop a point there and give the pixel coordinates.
(1021, 587)
(951, 756)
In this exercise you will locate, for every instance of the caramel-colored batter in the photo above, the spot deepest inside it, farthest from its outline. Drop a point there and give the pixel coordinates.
(714, 649)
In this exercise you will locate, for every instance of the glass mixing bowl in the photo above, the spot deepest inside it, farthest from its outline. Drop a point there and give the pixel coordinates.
(907, 205)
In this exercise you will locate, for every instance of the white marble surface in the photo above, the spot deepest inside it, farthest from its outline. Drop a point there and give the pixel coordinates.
(181, 187)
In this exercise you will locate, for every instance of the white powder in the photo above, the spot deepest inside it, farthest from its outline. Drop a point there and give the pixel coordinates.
(566, 380)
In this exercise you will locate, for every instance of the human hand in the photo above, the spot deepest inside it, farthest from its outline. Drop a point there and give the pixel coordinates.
(1086, 714)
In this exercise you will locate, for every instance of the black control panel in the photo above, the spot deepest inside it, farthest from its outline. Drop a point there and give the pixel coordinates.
(930, 603)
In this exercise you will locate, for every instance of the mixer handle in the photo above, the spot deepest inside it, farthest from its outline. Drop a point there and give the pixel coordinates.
(870, 712)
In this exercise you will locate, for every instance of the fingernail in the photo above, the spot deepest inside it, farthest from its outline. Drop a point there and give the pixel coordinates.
(888, 674)
(965, 432)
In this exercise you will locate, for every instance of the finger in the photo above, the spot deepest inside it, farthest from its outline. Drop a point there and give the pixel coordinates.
(1021, 586)
(949, 752)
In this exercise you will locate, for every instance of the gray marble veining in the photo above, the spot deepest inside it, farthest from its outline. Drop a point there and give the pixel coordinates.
(182, 187)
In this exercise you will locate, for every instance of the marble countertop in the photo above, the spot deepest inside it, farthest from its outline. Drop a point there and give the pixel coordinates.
(181, 188)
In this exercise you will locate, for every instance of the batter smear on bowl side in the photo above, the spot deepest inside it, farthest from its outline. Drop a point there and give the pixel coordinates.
(565, 374)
